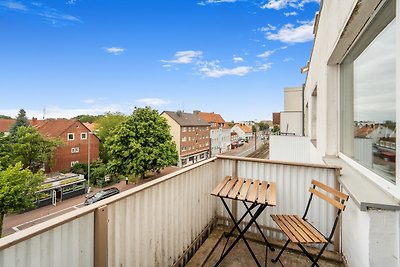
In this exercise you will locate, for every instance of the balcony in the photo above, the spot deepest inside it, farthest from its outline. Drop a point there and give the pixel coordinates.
(165, 221)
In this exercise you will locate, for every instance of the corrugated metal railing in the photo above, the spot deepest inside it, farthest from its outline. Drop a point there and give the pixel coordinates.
(159, 223)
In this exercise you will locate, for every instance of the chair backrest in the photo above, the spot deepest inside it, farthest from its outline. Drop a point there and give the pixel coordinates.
(339, 199)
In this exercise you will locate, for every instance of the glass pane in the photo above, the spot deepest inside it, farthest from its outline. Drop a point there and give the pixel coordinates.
(375, 105)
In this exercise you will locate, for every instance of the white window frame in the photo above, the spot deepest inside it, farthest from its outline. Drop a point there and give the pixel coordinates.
(74, 162)
(73, 137)
(74, 150)
(393, 189)
(86, 135)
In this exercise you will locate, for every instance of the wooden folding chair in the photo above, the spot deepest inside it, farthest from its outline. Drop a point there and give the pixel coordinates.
(300, 232)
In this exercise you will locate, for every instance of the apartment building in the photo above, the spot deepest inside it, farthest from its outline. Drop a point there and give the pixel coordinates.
(191, 135)
(219, 132)
(291, 119)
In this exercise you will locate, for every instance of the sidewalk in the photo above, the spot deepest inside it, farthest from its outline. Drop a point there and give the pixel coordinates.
(16, 222)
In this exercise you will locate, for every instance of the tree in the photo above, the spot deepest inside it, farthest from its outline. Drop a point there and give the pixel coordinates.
(31, 149)
(263, 126)
(20, 121)
(18, 189)
(5, 117)
(5, 151)
(105, 125)
(86, 118)
(141, 143)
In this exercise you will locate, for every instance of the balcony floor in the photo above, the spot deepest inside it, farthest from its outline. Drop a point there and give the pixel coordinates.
(210, 251)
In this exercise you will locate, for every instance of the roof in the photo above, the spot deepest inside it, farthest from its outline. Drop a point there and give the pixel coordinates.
(246, 128)
(5, 124)
(211, 117)
(54, 128)
(92, 126)
(186, 119)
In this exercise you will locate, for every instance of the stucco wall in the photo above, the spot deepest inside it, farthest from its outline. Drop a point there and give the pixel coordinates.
(291, 123)
(293, 99)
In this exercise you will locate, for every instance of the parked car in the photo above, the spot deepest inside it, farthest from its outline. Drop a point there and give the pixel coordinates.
(103, 194)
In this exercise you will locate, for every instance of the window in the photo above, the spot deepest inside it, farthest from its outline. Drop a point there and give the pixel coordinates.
(183, 148)
(74, 150)
(184, 139)
(83, 136)
(368, 97)
(190, 129)
(70, 136)
(184, 129)
(74, 162)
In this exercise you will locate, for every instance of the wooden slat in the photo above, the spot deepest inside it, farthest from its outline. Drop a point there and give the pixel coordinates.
(337, 204)
(227, 188)
(272, 194)
(244, 189)
(283, 227)
(317, 234)
(302, 224)
(298, 230)
(234, 193)
(220, 186)
(331, 190)
(252, 195)
(292, 230)
(262, 195)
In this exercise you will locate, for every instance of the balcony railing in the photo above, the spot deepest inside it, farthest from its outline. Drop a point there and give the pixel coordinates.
(162, 222)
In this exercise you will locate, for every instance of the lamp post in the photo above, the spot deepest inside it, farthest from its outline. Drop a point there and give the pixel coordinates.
(88, 166)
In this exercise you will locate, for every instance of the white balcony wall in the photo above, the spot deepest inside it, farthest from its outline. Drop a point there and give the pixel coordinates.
(289, 148)
(70, 244)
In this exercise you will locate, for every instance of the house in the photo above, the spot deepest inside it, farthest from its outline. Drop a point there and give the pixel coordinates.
(243, 131)
(5, 125)
(219, 132)
(291, 119)
(276, 119)
(191, 136)
(351, 79)
(78, 141)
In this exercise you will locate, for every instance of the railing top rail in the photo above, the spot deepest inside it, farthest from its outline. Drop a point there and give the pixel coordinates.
(312, 165)
(25, 234)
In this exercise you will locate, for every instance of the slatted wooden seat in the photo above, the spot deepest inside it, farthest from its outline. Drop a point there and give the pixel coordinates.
(300, 231)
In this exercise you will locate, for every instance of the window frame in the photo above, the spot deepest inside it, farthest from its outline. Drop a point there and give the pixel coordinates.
(372, 31)
(86, 136)
(73, 136)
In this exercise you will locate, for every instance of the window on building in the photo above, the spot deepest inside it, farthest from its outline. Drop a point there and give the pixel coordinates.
(184, 129)
(83, 136)
(74, 150)
(70, 136)
(368, 97)
(190, 129)
(74, 162)
(184, 139)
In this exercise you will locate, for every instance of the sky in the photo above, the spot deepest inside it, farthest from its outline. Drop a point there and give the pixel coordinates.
(62, 58)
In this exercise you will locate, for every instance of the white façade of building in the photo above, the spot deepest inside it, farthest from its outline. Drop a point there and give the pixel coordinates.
(352, 78)
(243, 131)
(292, 116)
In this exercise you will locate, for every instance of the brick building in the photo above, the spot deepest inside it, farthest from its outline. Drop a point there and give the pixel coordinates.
(76, 138)
(191, 136)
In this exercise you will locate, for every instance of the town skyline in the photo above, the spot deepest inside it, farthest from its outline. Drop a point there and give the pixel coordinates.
(231, 57)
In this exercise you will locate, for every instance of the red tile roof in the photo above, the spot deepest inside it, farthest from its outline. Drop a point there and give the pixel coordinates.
(246, 128)
(211, 117)
(91, 126)
(54, 128)
(364, 131)
(5, 124)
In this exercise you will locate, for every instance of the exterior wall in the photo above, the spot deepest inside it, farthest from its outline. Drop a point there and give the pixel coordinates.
(289, 148)
(293, 99)
(63, 155)
(370, 238)
(240, 132)
(215, 142)
(226, 139)
(176, 134)
(291, 123)
(196, 144)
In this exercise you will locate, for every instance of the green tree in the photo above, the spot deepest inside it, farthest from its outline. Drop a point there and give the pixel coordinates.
(5, 151)
(86, 118)
(5, 117)
(141, 143)
(263, 126)
(20, 121)
(31, 149)
(18, 189)
(105, 125)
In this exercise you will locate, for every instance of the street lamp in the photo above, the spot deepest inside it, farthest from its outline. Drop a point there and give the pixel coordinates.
(88, 166)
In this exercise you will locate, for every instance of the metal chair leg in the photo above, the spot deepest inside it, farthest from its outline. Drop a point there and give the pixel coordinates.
(280, 253)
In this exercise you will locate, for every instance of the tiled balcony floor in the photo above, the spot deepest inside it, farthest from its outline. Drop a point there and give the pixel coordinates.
(211, 250)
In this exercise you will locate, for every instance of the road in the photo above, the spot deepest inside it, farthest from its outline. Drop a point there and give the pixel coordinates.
(246, 149)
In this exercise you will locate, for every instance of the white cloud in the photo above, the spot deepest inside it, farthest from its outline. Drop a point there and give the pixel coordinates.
(264, 67)
(114, 50)
(287, 14)
(237, 59)
(214, 70)
(280, 4)
(89, 101)
(71, 2)
(287, 59)
(14, 5)
(291, 34)
(153, 101)
(267, 28)
(266, 54)
(38, 9)
(208, 2)
(184, 57)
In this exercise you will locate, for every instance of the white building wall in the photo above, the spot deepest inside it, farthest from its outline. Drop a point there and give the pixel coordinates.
(293, 99)
(292, 123)
(226, 139)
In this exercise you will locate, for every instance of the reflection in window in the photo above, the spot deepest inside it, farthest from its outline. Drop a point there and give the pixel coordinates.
(371, 76)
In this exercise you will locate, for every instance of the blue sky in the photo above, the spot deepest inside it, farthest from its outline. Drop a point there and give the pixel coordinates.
(75, 57)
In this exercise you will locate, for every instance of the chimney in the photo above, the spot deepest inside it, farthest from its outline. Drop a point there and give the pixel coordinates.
(34, 121)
